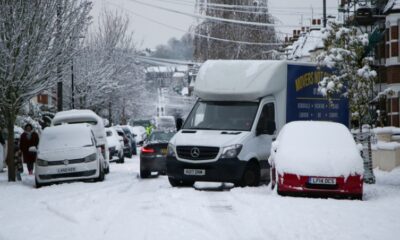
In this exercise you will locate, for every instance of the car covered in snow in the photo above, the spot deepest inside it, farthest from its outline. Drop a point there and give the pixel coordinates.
(140, 133)
(316, 158)
(126, 140)
(115, 145)
(153, 154)
(96, 123)
(68, 152)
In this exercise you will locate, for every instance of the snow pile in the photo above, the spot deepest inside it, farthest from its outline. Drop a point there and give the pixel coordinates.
(381, 144)
(316, 149)
(65, 136)
(386, 130)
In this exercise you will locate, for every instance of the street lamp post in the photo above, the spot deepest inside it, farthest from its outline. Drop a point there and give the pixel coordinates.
(72, 85)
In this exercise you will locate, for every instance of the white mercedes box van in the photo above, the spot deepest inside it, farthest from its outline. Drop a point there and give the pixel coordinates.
(241, 107)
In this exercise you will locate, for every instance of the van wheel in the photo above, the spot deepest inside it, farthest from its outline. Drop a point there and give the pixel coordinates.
(180, 183)
(251, 175)
(144, 174)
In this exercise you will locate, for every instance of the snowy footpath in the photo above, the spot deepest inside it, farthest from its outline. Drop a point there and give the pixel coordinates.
(126, 207)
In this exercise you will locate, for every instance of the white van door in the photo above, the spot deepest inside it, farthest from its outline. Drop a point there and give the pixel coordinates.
(265, 133)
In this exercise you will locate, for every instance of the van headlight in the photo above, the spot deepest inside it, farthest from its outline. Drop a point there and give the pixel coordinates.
(171, 150)
(231, 151)
(91, 158)
(42, 163)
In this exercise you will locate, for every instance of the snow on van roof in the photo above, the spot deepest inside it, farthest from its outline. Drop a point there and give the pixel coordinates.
(240, 80)
(72, 114)
(313, 148)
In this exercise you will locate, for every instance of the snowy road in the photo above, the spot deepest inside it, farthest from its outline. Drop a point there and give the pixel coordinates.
(126, 207)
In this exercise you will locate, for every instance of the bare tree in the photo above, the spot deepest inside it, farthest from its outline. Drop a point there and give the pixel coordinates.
(107, 77)
(35, 38)
(243, 10)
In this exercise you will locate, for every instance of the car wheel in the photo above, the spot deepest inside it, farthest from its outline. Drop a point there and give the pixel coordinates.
(101, 176)
(144, 173)
(107, 170)
(37, 184)
(180, 183)
(251, 175)
(129, 155)
(273, 178)
(134, 151)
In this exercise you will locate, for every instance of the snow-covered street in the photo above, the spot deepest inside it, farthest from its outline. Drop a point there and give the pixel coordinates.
(126, 207)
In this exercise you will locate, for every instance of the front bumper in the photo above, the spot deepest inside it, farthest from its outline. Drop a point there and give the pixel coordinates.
(222, 170)
(60, 173)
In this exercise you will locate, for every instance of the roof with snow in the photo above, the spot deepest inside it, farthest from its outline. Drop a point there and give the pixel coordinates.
(392, 5)
(240, 80)
(306, 44)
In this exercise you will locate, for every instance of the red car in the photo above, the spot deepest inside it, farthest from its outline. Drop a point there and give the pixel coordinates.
(317, 159)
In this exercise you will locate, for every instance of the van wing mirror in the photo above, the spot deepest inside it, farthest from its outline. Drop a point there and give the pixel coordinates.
(267, 127)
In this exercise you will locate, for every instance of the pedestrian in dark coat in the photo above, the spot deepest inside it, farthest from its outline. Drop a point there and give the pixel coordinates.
(28, 145)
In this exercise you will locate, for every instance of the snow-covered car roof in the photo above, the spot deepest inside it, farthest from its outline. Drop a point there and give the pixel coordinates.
(65, 136)
(75, 114)
(240, 80)
(316, 148)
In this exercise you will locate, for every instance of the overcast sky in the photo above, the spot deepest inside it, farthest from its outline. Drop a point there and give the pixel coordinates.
(150, 34)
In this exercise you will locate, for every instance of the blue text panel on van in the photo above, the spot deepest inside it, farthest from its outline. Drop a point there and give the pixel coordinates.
(304, 102)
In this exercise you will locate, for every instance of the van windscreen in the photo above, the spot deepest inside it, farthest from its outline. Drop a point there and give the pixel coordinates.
(213, 115)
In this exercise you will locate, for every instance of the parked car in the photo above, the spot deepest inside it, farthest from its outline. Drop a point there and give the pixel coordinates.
(96, 123)
(153, 154)
(131, 137)
(127, 142)
(165, 123)
(115, 145)
(316, 159)
(140, 133)
(68, 152)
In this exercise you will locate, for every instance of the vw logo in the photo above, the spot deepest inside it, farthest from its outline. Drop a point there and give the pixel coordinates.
(195, 152)
(66, 162)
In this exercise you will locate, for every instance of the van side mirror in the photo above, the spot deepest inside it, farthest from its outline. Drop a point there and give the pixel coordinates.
(267, 127)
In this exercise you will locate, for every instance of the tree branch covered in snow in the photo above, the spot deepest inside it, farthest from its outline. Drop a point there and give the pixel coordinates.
(106, 73)
(352, 75)
(36, 38)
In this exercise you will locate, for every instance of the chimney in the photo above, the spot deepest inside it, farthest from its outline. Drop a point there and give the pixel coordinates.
(298, 32)
(303, 29)
(314, 22)
(294, 32)
(319, 21)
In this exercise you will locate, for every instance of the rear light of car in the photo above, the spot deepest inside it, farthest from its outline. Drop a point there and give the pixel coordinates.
(147, 150)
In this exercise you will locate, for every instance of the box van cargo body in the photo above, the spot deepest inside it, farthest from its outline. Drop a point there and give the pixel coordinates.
(242, 106)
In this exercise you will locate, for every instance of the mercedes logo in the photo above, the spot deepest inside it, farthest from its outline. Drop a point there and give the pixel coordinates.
(195, 152)
(65, 162)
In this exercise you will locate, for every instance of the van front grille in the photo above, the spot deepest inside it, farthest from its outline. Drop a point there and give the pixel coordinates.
(197, 152)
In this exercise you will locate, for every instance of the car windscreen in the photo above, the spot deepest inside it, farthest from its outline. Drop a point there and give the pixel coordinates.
(215, 115)
(52, 140)
(161, 136)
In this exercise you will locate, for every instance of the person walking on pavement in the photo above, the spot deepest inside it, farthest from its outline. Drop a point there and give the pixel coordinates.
(28, 145)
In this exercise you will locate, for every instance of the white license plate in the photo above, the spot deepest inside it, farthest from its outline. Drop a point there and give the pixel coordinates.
(194, 172)
(66, 170)
(322, 181)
